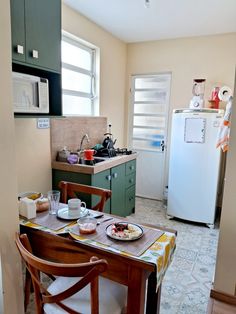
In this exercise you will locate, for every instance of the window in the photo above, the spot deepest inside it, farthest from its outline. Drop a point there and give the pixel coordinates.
(79, 79)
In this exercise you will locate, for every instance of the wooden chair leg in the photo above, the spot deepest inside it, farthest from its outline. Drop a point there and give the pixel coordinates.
(28, 285)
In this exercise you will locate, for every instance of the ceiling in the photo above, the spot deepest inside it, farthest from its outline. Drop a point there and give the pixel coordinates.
(130, 21)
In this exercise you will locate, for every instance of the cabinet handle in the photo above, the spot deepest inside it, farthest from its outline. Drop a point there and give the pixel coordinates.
(131, 180)
(20, 49)
(108, 178)
(131, 167)
(35, 54)
(115, 175)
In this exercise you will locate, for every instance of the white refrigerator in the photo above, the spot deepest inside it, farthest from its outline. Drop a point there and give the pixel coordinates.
(194, 165)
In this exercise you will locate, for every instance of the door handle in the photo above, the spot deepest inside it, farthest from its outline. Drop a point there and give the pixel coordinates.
(108, 177)
(35, 54)
(162, 146)
(20, 49)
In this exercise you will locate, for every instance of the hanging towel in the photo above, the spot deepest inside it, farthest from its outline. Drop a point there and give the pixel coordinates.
(224, 131)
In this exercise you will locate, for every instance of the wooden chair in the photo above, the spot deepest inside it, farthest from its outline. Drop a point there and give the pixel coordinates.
(69, 292)
(73, 190)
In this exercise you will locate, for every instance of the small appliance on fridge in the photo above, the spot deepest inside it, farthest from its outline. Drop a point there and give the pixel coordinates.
(194, 165)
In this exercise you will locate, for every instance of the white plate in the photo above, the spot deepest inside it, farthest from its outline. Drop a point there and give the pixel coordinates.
(63, 213)
(136, 227)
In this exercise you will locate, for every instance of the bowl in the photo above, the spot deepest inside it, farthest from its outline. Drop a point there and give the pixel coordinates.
(87, 225)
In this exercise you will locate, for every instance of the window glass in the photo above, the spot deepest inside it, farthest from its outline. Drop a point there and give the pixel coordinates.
(73, 105)
(77, 56)
(76, 81)
(78, 78)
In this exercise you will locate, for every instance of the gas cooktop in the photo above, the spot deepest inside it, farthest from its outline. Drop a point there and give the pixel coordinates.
(112, 152)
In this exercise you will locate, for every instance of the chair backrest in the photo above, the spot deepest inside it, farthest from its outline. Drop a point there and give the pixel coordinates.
(71, 190)
(88, 271)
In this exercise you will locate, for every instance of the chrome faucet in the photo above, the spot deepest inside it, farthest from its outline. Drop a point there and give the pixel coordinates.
(85, 136)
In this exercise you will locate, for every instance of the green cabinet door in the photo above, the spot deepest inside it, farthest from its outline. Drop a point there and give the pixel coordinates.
(102, 180)
(18, 29)
(118, 190)
(43, 33)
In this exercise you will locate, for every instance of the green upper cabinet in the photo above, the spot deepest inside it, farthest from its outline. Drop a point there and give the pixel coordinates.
(18, 29)
(36, 33)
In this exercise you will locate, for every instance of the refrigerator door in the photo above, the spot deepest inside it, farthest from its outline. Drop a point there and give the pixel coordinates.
(194, 165)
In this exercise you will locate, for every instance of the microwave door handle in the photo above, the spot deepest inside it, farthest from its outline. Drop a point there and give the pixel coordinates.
(37, 95)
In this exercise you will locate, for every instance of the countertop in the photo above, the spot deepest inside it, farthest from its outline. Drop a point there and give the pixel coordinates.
(101, 166)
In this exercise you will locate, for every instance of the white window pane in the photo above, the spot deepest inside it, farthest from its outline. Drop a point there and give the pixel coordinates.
(148, 133)
(73, 105)
(76, 56)
(149, 121)
(150, 82)
(149, 108)
(141, 144)
(158, 96)
(76, 81)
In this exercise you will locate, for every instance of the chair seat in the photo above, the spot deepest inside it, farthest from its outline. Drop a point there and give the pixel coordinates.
(112, 297)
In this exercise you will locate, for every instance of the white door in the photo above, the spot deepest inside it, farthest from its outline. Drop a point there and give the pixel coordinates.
(148, 131)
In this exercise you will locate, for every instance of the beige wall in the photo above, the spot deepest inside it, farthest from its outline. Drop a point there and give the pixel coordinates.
(209, 57)
(33, 157)
(112, 68)
(11, 265)
(225, 275)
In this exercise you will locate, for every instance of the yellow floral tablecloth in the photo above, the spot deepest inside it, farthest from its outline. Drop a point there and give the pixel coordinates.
(160, 252)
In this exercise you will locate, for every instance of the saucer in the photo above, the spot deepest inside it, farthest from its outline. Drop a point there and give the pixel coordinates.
(63, 213)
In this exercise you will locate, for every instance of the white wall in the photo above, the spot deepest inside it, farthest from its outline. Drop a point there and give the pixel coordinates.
(209, 57)
(9, 221)
(112, 67)
(225, 274)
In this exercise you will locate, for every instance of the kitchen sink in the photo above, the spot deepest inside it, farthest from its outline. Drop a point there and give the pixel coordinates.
(91, 162)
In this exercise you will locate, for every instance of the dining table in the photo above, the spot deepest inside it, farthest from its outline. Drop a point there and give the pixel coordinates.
(139, 264)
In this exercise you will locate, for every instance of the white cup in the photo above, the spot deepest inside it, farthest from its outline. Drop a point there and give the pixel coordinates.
(76, 206)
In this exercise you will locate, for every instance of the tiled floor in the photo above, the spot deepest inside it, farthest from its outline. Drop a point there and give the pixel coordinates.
(187, 283)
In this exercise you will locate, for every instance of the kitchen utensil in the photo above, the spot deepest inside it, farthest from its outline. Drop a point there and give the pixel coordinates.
(198, 94)
(54, 199)
(75, 206)
(104, 220)
(87, 225)
(63, 154)
(134, 232)
(89, 153)
(108, 141)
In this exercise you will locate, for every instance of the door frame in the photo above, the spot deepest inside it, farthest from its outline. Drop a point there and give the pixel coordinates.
(167, 115)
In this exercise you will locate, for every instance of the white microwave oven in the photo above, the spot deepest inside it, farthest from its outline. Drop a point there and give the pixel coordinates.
(30, 93)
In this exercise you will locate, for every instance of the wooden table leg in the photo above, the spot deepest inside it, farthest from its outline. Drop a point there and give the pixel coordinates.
(136, 290)
(153, 296)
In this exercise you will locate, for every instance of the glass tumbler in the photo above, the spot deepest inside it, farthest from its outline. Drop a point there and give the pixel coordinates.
(54, 200)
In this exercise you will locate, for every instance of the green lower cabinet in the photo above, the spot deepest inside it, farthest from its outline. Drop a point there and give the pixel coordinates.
(118, 190)
(130, 200)
(102, 180)
(120, 180)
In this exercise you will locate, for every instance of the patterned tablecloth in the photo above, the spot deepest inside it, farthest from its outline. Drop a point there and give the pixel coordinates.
(160, 252)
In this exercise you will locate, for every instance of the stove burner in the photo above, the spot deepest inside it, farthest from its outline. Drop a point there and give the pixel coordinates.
(112, 152)
(123, 151)
(106, 152)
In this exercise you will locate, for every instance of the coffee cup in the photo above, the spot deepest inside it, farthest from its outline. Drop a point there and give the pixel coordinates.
(89, 153)
(76, 207)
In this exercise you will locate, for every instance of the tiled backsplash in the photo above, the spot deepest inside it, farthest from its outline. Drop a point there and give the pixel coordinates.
(69, 131)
